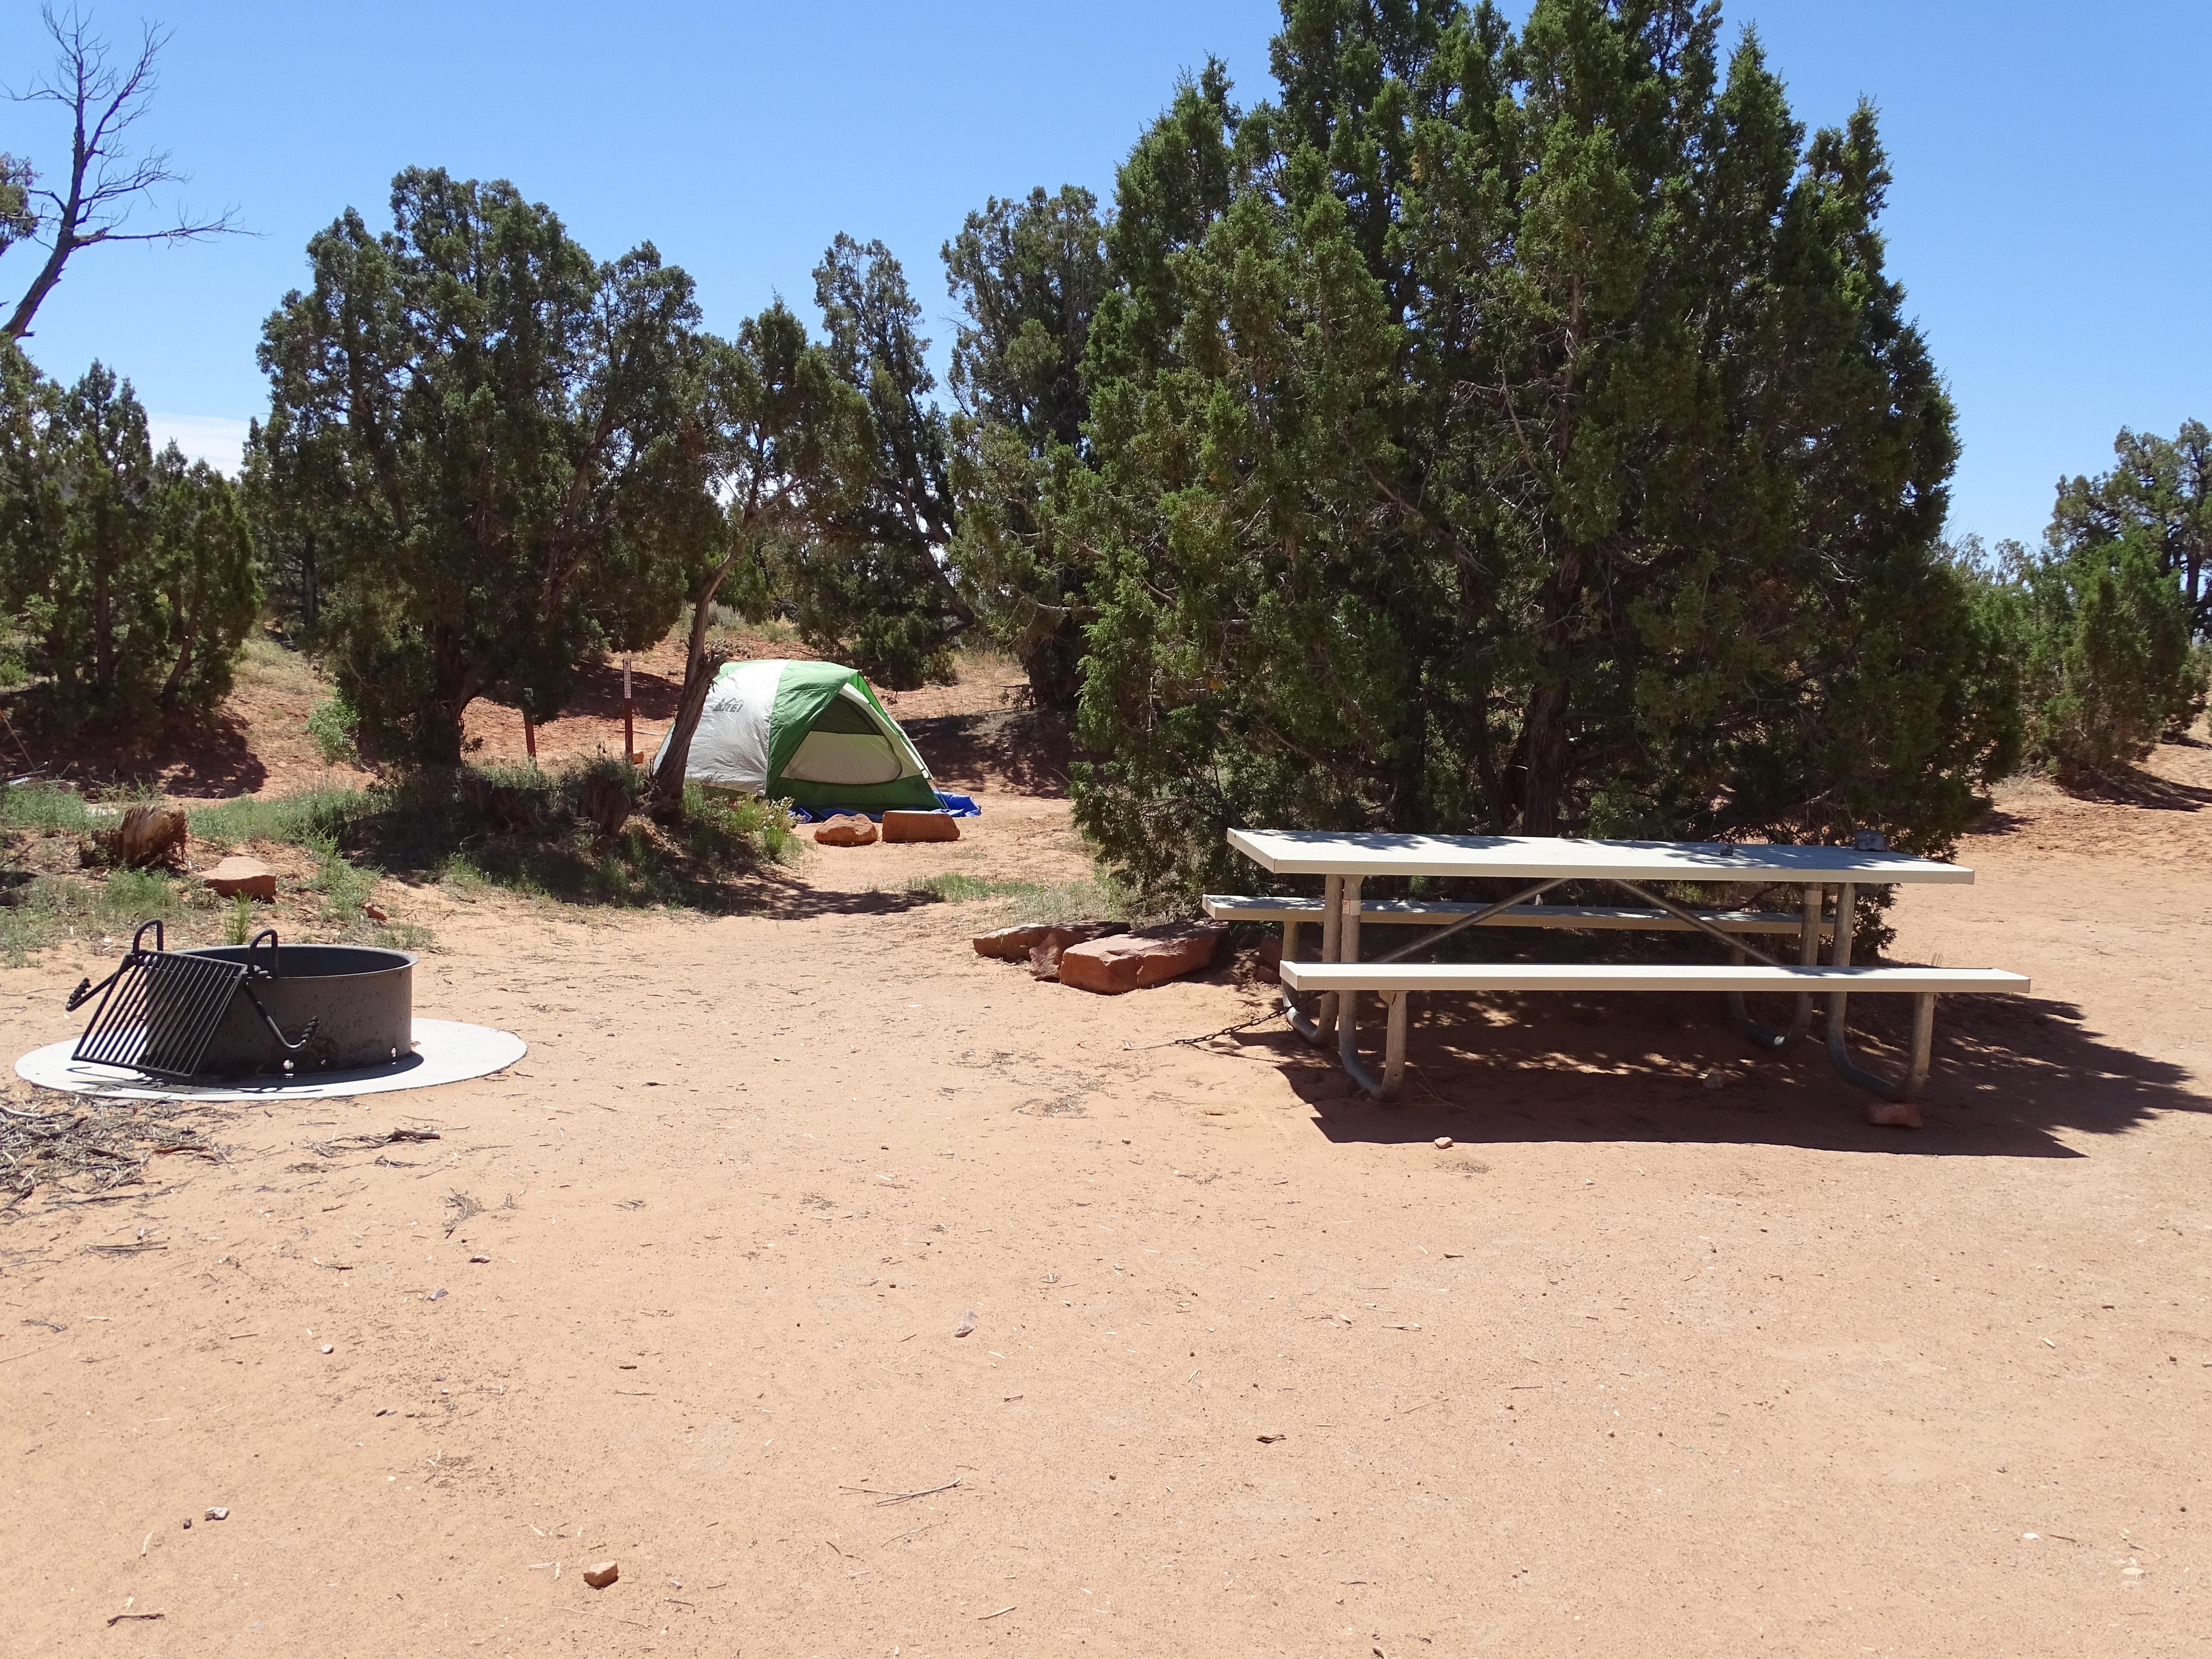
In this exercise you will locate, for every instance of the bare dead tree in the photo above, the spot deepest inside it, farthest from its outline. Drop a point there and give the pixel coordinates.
(106, 180)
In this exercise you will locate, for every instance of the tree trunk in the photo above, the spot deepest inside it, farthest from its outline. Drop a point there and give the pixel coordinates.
(1544, 727)
(173, 687)
(699, 671)
(1544, 752)
(453, 687)
(19, 321)
(103, 635)
(700, 667)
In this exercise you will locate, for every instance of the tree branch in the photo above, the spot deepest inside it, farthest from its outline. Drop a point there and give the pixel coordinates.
(104, 184)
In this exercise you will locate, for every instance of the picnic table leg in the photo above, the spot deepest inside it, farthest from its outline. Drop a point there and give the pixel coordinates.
(1385, 1087)
(1899, 1111)
(1300, 1021)
(1332, 930)
(1347, 1008)
(1809, 954)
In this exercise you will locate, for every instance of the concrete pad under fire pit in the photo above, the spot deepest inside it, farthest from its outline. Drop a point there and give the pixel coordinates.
(446, 1051)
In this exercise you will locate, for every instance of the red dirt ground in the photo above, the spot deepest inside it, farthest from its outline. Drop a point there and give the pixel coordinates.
(1634, 1366)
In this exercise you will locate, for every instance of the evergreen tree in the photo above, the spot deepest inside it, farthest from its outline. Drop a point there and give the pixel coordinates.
(868, 579)
(130, 576)
(500, 454)
(1028, 276)
(2108, 661)
(788, 434)
(1515, 432)
(2158, 493)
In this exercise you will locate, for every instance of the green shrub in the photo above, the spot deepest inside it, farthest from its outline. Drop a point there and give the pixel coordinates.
(332, 726)
(128, 575)
(2103, 634)
(136, 896)
(293, 819)
(345, 886)
(42, 806)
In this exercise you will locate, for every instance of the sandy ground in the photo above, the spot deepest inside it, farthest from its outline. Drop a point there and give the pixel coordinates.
(1636, 1366)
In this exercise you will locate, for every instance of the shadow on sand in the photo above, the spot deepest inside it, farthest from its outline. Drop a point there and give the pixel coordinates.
(784, 897)
(193, 756)
(1026, 751)
(2011, 1077)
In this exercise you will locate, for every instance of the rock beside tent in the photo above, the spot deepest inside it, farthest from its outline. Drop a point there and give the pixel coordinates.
(1130, 962)
(921, 826)
(846, 831)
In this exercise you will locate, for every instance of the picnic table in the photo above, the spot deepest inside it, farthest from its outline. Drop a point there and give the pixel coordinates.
(1322, 995)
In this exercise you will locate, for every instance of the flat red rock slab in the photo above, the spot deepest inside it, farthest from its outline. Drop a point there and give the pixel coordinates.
(240, 874)
(1130, 962)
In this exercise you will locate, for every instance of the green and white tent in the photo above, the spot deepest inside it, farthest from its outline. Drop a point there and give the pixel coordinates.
(810, 732)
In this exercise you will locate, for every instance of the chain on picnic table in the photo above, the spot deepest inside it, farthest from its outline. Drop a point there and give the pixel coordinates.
(1175, 1042)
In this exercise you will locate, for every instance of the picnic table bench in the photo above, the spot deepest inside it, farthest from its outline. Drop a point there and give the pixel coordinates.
(1333, 983)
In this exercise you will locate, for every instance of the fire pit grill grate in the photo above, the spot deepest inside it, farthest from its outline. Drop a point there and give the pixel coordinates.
(164, 1032)
(159, 1008)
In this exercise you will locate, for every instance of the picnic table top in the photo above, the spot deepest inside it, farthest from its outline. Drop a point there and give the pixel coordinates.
(1340, 853)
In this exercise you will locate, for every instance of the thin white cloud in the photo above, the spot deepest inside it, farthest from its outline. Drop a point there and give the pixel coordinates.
(216, 439)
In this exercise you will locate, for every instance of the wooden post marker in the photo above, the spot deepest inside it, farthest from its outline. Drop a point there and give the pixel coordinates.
(630, 710)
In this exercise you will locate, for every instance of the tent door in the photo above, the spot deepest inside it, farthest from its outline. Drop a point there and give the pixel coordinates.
(843, 757)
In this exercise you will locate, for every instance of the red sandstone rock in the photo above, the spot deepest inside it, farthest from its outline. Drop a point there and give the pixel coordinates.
(1010, 943)
(239, 874)
(1019, 943)
(921, 826)
(1130, 962)
(1045, 954)
(845, 830)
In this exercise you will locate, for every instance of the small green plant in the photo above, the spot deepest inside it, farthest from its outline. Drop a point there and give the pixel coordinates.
(290, 818)
(955, 888)
(42, 806)
(334, 725)
(136, 896)
(1029, 901)
(238, 919)
(345, 886)
(38, 910)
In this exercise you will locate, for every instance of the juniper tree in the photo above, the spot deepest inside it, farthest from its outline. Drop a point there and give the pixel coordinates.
(868, 579)
(1028, 276)
(510, 469)
(2158, 493)
(130, 576)
(1517, 432)
(787, 435)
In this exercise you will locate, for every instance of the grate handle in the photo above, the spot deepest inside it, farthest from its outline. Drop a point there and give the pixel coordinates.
(86, 990)
(275, 1029)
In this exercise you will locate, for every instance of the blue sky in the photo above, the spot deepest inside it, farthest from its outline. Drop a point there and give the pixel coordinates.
(2049, 219)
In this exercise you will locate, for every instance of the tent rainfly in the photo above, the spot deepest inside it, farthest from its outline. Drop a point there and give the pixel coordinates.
(810, 732)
